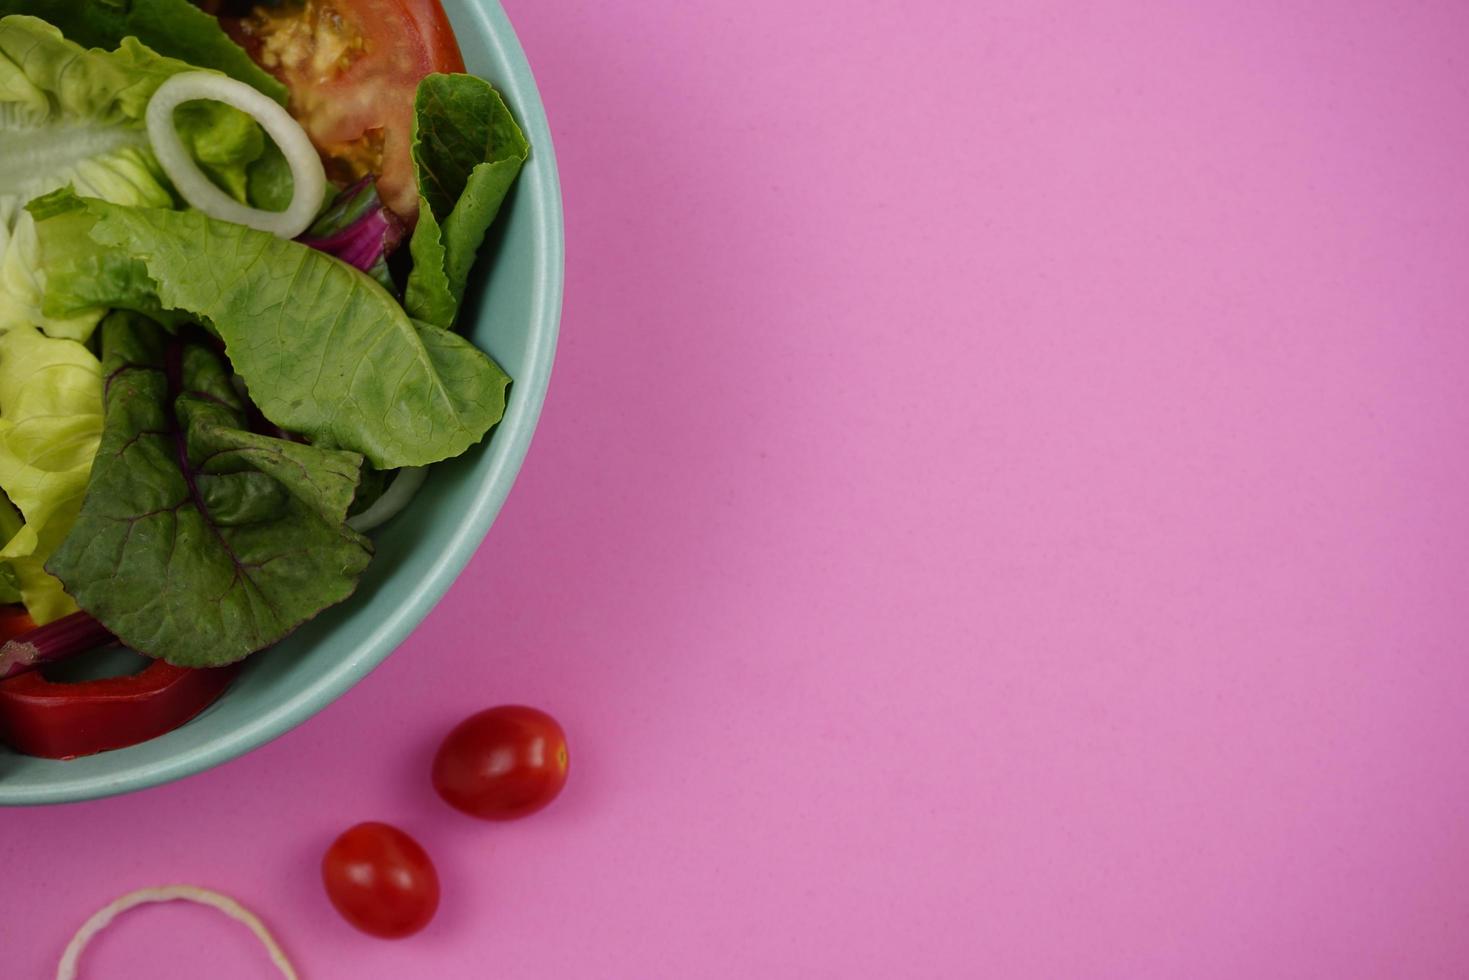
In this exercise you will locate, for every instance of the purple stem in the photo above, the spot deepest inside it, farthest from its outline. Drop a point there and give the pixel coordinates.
(66, 637)
(367, 238)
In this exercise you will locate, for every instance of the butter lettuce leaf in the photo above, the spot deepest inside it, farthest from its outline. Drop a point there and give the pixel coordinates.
(467, 151)
(50, 425)
(10, 524)
(323, 349)
(200, 541)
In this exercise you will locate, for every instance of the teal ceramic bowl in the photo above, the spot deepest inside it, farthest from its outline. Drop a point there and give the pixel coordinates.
(513, 311)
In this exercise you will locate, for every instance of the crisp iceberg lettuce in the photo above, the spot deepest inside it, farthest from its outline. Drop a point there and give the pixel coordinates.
(71, 116)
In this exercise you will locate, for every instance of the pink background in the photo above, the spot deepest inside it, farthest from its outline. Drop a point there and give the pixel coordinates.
(1000, 512)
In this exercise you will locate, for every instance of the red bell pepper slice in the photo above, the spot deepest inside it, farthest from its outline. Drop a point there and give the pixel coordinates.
(62, 721)
(56, 720)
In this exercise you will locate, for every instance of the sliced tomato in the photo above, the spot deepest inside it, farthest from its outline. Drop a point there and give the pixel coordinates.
(353, 67)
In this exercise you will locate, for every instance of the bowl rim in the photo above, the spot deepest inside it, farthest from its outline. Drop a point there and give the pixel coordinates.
(511, 440)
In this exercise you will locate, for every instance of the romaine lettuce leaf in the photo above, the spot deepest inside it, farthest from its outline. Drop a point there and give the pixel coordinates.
(73, 116)
(467, 152)
(173, 28)
(82, 276)
(50, 423)
(323, 349)
(200, 541)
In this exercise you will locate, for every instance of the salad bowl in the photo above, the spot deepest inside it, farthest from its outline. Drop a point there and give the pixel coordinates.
(512, 311)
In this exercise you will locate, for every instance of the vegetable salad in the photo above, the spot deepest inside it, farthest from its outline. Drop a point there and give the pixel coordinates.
(219, 368)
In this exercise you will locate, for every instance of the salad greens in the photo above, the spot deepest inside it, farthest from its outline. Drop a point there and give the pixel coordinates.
(50, 422)
(71, 117)
(185, 473)
(74, 117)
(324, 350)
(10, 524)
(201, 541)
(467, 152)
(173, 28)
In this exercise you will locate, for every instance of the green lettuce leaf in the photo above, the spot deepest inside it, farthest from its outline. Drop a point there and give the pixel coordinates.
(467, 151)
(50, 424)
(200, 541)
(323, 349)
(74, 117)
(270, 184)
(10, 525)
(374, 483)
(80, 275)
(173, 28)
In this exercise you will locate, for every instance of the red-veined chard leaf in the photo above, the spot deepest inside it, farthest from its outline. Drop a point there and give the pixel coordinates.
(200, 541)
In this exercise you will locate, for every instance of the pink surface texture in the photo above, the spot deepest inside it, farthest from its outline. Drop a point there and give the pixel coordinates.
(1000, 512)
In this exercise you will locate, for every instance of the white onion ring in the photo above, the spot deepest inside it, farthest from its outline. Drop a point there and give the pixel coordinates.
(307, 175)
(67, 968)
(394, 499)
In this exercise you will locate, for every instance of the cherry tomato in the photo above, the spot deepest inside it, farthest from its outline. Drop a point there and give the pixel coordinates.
(353, 67)
(502, 763)
(381, 880)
